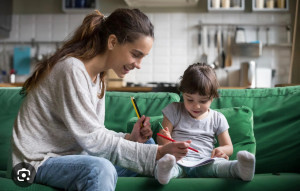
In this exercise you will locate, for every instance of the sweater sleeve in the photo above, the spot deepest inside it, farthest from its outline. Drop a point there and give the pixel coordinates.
(74, 102)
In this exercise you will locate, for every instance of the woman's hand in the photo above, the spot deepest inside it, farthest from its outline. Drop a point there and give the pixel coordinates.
(178, 149)
(219, 153)
(141, 134)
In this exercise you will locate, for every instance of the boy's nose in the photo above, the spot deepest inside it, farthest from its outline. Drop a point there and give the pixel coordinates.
(197, 106)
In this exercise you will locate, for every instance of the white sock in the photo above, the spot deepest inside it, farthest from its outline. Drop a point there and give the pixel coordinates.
(245, 165)
(163, 168)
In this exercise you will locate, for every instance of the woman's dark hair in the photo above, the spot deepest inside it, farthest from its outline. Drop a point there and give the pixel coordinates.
(90, 39)
(199, 78)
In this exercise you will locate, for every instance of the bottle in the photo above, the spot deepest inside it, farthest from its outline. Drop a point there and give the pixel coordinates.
(12, 77)
(270, 4)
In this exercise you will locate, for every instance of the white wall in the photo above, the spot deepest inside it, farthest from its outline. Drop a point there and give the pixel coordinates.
(175, 45)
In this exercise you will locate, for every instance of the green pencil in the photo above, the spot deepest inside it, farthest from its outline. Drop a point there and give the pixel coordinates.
(161, 126)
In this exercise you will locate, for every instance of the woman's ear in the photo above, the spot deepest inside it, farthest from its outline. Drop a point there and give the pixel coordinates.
(112, 41)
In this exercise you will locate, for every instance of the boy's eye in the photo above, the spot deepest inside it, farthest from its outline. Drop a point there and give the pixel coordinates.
(190, 100)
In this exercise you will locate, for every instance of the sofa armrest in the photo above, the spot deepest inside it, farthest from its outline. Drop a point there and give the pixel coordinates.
(154, 121)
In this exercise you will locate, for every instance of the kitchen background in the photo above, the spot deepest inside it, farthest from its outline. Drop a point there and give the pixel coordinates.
(256, 37)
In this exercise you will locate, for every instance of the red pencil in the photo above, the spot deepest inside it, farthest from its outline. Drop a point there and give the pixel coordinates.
(175, 141)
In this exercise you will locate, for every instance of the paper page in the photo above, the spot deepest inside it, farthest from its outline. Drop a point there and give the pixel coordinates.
(201, 162)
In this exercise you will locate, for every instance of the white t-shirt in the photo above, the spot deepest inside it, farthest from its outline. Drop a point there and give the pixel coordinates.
(201, 132)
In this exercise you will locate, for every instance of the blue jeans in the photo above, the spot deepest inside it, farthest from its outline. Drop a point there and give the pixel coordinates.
(123, 172)
(81, 172)
(78, 172)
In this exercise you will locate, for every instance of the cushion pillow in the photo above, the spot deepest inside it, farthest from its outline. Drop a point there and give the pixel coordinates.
(119, 109)
(276, 115)
(154, 121)
(10, 103)
(240, 120)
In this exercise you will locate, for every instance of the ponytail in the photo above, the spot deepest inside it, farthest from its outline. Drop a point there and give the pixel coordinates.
(90, 40)
(84, 45)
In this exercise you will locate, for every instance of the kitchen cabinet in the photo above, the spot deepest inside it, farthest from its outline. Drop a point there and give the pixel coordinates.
(79, 6)
(270, 5)
(225, 5)
(5, 18)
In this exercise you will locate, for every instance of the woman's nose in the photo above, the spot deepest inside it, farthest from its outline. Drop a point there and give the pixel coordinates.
(137, 64)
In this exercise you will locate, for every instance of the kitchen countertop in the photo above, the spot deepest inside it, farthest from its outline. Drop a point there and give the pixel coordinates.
(120, 89)
(11, 84)
(131, 89)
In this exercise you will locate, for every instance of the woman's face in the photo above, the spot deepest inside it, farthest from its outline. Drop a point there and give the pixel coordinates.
(125, 57)
(196, 105)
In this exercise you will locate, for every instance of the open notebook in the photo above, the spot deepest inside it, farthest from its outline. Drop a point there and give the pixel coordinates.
(201, 162)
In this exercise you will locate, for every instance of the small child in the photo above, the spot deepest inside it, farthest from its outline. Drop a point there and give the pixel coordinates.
(193, 119)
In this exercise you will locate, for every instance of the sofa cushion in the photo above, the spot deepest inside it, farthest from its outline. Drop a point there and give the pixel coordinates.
(276, 115)
(265, 182)
(9, 185)
(119, 108)
(240, 120)
(9, 103)
(154, 121)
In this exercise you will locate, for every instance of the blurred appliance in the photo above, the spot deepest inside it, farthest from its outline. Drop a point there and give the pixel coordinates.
(164, 87)
(248, 74)
(157, 86)
(263, 77)
(161, 3)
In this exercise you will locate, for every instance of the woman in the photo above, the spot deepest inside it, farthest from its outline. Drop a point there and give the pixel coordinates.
(63, 112)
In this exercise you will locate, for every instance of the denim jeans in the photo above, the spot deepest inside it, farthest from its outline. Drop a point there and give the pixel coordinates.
(221, 168)
(81, 172)
(123, 172)
(78, 172)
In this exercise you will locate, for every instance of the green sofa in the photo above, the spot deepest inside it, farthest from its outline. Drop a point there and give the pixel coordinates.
(265, 122)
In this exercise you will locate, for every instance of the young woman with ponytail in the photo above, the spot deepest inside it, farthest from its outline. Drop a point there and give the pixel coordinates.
(62, 115)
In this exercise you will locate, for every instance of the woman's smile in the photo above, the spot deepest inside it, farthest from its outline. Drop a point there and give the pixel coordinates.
(126, 69)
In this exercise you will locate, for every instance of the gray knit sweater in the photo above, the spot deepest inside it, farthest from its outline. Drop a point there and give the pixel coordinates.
(64, 116)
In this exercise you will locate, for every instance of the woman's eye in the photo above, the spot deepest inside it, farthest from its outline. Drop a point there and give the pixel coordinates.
(189, 100)
(135, 55)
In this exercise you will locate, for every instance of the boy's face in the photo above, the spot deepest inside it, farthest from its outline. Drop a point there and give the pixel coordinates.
(196, 105)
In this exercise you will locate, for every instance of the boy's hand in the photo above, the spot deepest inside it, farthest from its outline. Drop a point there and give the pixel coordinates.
(165, 132)
(219, 153)
(141, 134)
